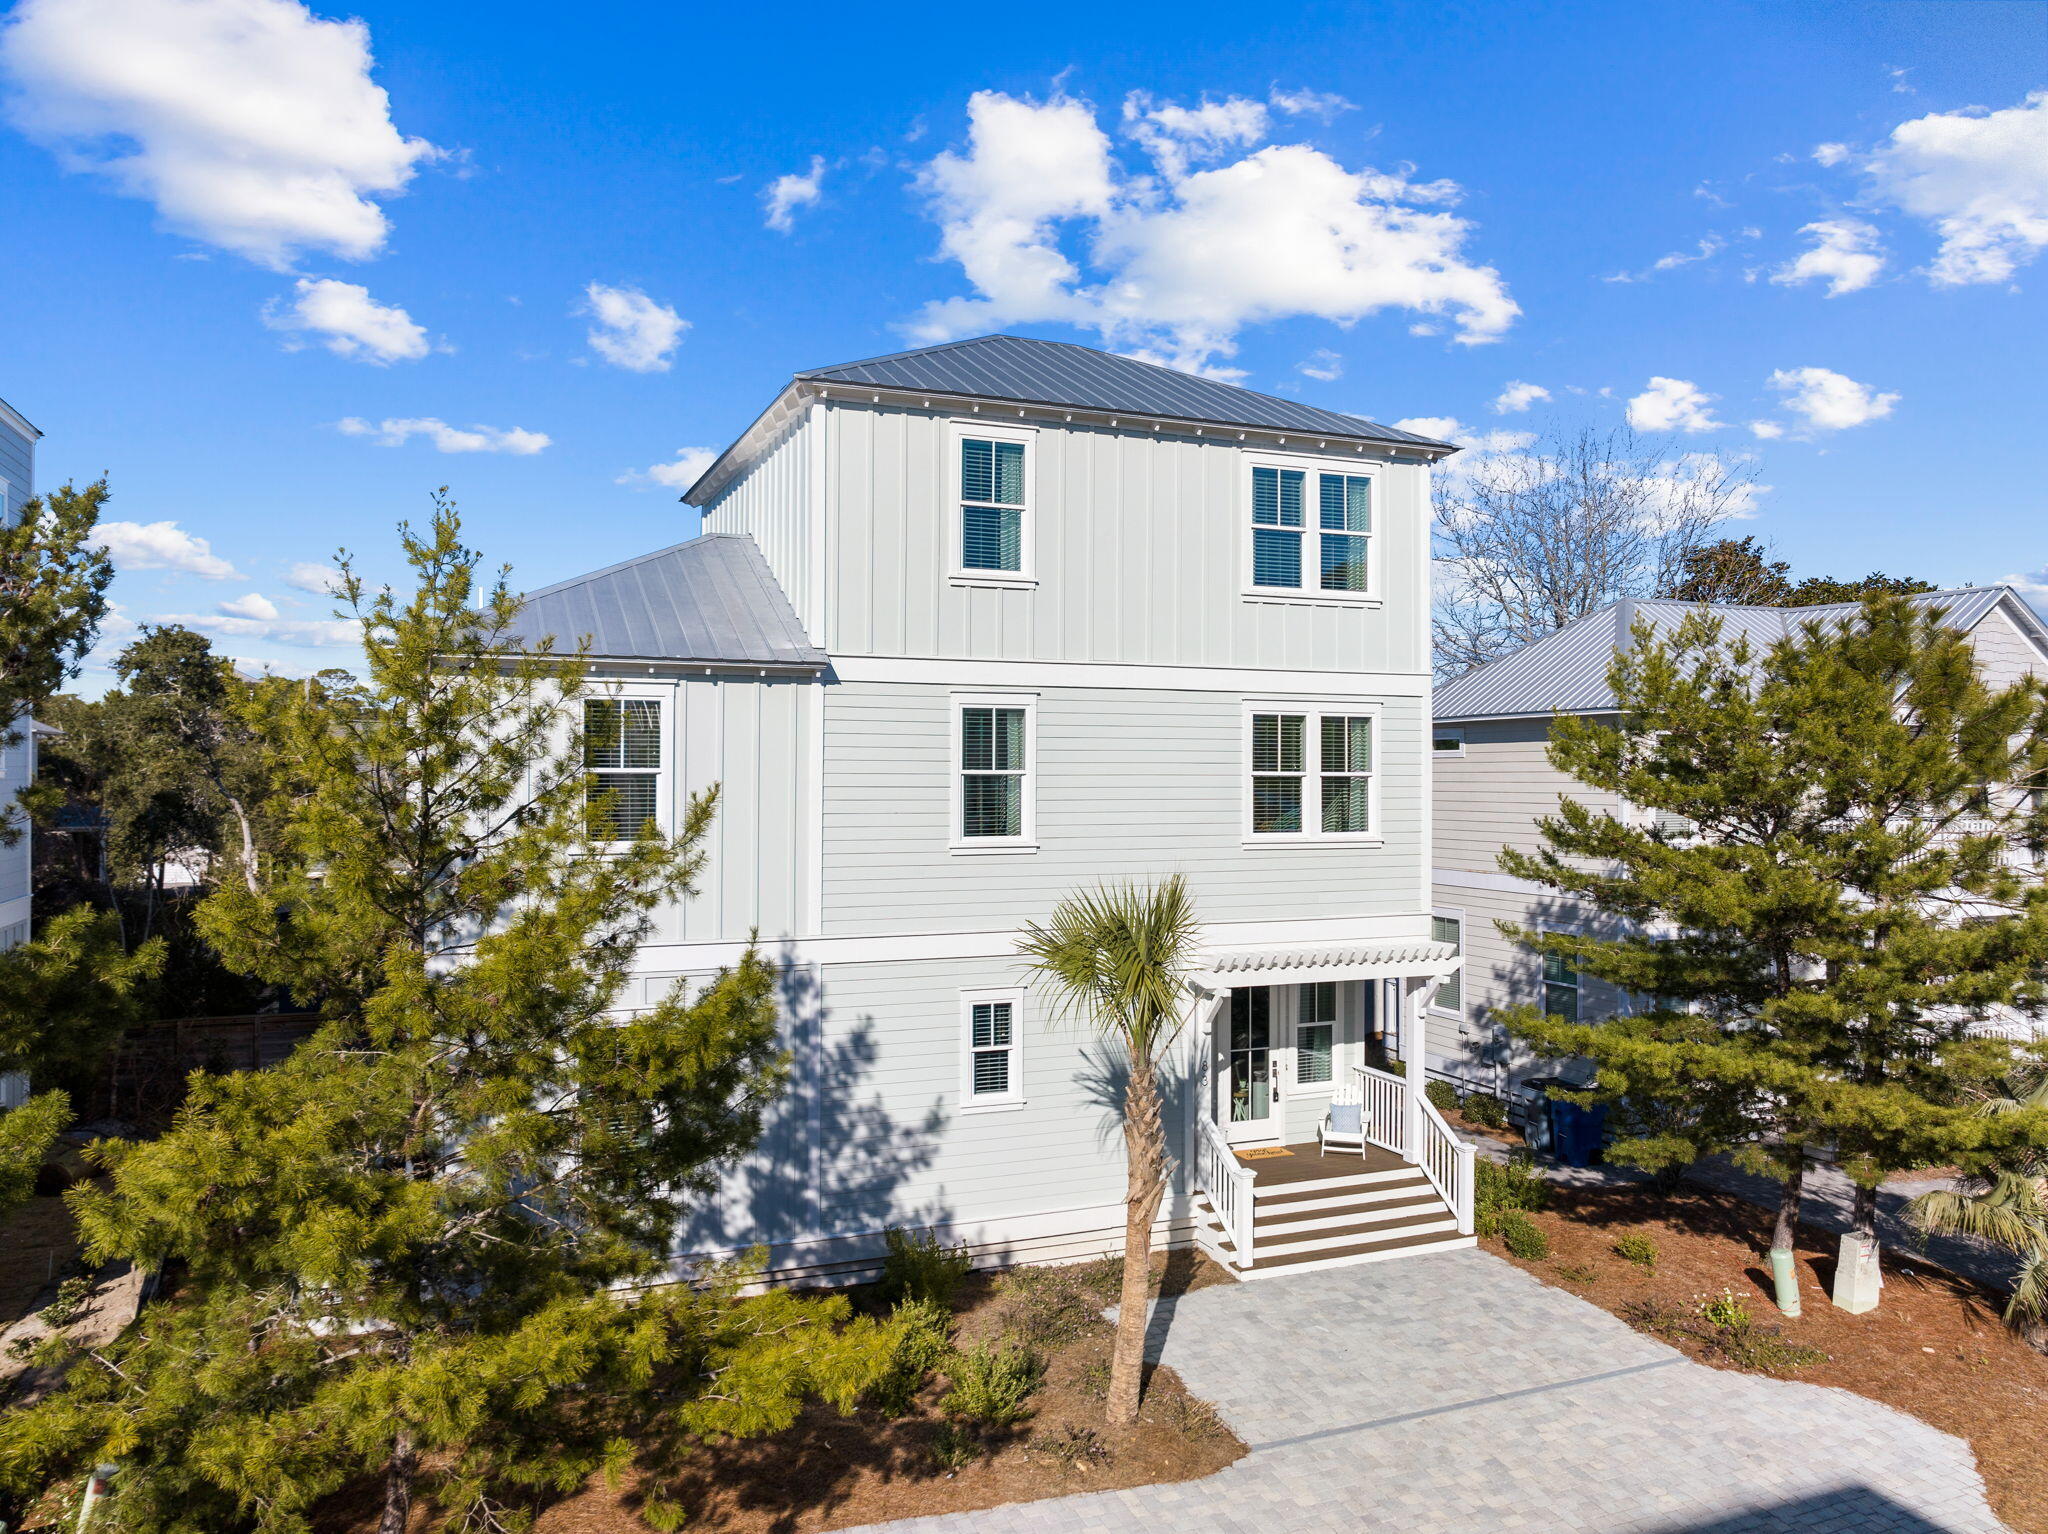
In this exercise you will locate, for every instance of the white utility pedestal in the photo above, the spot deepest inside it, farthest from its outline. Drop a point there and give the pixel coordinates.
(1858, 1278)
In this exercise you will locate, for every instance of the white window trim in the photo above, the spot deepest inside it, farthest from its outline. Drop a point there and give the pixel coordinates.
(1025, 577)
(1447, 732)
(1543, 981)
(1311, 558)
(1464, 1007)
(605, 691)
(1295, 1085)
(992, 1102)
(1312, 745)
(1027, 840)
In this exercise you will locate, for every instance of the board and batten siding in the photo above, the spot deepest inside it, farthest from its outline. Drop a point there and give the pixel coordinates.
(1138, 547)
(1492, 795)
(1131, 783)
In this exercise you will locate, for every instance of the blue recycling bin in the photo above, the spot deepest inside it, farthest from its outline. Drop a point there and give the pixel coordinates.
(1575, 1133)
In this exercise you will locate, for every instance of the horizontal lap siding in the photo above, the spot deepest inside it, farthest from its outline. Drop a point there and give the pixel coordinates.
(1131, 783)
(1493, 794)
(2004, 654)
(1138, 548)
(17, 460)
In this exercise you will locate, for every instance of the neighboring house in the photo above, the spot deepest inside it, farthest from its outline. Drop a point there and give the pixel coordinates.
(974, 627)
(17, 759)
(1494, 782)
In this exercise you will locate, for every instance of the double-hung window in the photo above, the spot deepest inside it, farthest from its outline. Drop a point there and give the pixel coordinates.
(1311, 531)
(995, 503)
(1561, 987)
(1313, 774)
(991, 1065)
(1315, 1033)
(992, 772)
(1450, 996)
(622, 749)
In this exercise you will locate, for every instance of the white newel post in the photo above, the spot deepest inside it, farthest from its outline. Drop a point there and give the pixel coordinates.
(1411, 1069)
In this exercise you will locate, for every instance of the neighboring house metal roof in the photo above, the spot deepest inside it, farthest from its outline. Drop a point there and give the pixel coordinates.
(711, 600)
(1061, 373)
(1566, 672)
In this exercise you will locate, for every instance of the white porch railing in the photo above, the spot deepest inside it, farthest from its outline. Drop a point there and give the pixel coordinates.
(1228, 1182)
(1400, 1119)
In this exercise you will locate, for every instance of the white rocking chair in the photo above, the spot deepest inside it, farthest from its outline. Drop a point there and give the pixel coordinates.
(1343, 1128)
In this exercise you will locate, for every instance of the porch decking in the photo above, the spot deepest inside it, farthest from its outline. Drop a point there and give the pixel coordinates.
(1312, 1209)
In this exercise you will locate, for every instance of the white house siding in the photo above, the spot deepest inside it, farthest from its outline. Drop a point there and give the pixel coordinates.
(1492, 795)
(774, 503)
(1138, 549)
(17, 467)
(2004, 654)
(1130, 783)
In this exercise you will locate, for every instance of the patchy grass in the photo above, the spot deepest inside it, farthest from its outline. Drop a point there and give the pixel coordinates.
(1934, 1348)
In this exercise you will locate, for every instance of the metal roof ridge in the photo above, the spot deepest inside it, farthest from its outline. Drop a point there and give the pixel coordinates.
(627, 564)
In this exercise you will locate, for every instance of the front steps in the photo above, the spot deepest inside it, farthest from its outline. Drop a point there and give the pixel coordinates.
(1335, 1221)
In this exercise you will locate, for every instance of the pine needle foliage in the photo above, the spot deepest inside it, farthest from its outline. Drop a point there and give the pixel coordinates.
(423, 1249)
(1118, 958)
(1817, 885)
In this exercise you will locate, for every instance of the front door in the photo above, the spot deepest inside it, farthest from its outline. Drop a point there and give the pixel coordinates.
(1247, 1087)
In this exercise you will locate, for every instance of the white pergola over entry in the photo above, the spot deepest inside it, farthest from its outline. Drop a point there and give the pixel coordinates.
(1278, 965)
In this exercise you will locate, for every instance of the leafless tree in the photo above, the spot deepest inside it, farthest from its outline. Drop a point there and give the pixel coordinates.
(1528, 541)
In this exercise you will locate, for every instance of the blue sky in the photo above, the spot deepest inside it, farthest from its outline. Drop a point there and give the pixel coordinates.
(266, 267)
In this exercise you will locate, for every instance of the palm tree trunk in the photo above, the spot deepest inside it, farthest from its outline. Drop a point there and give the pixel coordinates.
(1785, 1235)
(398, 1474)
(1145, 1169)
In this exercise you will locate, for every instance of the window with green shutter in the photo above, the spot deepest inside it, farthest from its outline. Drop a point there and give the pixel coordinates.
(991, 1070)
(1450, 996)
(992, 504)
(622, 749)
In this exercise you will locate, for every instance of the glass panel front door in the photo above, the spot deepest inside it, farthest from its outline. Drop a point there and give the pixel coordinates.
(1246, 1079)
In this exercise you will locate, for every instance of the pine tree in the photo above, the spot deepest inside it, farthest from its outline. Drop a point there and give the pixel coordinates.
(426, 1248)
(1818, 891)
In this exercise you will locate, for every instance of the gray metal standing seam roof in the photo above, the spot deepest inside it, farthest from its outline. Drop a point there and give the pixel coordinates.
(713, 599)
(1566, 672)
(1061, 373)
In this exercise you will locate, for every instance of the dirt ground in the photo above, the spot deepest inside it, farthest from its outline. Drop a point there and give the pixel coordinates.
(1934, 1347)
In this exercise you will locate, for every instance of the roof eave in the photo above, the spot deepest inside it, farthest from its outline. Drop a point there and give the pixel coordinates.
(802, 390)
(19, 422)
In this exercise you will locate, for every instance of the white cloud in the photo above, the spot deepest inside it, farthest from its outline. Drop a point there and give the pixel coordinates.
(252, 125)
(1981, 178)
(319, 633)
(321, 580)
(1180, 260)
(1517, 397)
(1308, 103)
(785, 194)
(1445, 428)
(253, 605)
(1845, 255)
(1673, 404)
(1768, 430)
(1323, 364)
(1830, 154)
(350, 322)
(395, 432)
(632, 330)
(679, 473)
(1829, 401)
(1709, 247)
(163, 546)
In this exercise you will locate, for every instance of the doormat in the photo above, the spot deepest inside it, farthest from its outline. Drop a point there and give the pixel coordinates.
(1264, 1153)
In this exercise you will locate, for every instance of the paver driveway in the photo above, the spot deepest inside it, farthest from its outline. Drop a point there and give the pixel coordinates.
(1454, 1394)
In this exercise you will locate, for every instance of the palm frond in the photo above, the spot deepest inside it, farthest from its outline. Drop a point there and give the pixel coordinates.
(1119, 955)
(2029, 1302)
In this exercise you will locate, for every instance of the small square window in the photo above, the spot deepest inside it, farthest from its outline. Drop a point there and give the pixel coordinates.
(990, 1072)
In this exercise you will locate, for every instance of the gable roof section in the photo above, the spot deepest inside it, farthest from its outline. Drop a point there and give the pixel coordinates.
(1061, 373)
(711, 601)
(1566, 672)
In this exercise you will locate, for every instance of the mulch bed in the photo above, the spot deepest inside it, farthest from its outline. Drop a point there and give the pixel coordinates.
(1934, 1347)
(829, 1472)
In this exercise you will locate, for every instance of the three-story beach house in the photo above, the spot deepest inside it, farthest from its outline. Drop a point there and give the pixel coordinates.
(975, 626)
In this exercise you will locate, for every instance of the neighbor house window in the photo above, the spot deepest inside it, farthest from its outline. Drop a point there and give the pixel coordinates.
(1311, 530)
(993, 771)
(1448, 740)
(1561, 987)
(1315, 1032)
(991, 1071)
(1312, 774)
(1450, 996)
(994, 503)
(622, 749)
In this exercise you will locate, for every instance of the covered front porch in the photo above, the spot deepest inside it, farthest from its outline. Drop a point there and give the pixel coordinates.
(1311, 1143)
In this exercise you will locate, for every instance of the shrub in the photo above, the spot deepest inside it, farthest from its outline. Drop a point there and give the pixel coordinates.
(1442, 1096)
(1049, 1307)
(1484, 1109)
(1639, 1249)
(923, 1340)
(991, 1382)
(1523, 1237)
(1498, 1189)
(1658, 1317)
(917, 1267)
(954, 1446)
(1728, 1328)
(1726, 1309)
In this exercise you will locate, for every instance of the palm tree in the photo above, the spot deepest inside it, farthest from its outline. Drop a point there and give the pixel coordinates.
(2007, 1206)
(1118, 957)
